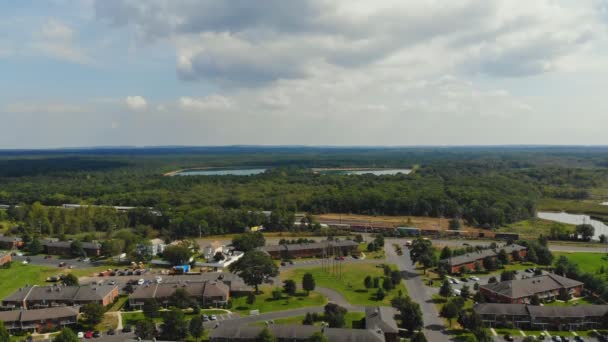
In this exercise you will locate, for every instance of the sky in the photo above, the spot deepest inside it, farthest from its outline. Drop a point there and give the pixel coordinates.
(307, 72)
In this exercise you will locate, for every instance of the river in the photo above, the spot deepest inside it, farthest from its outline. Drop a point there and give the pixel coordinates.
(563, 217)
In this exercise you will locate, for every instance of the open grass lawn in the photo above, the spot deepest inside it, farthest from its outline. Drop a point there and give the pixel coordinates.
(379, 254)
(119, 304)
(349, 318)
(350, 284)
(265, 303)
(533, 227)
(19, 275)
(587, 262)
(580, 301)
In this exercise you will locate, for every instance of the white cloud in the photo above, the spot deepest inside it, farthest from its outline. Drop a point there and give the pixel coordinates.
(136, 102)
(57, 40)
(208, 103)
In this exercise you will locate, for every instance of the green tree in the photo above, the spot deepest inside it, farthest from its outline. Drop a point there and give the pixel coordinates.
(35, 247)
(69, 279)
(318, 337)
(196, 327)
(177, 255)
(93, 313)
(483, 335)
(308, 283)
(387, 284)
(465, 292)
(535, 300)
(112, 247)
(368, 282)
(265, 336)
(334, 315)
(450, 310)
(446, 289)
(410, 313)
(489, 264)
(446, 253)
(289, 286)
(248, 242)
(145, 329)
(396, 277)
(4, 335)
(77, 250)
(507, 275)
(175, 326)
(250, 298)
(531, 255)
(255, 267)
(423, 252)
(180, 299)
(418, 337)
(380, 294)
(66, 335)
(151, 308)
(586, 231)
(503, 257)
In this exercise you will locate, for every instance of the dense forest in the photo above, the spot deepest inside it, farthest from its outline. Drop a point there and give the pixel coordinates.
(487, 187)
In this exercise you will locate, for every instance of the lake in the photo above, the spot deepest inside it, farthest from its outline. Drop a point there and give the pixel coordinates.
(563, 217)
(377, 172)
(222, 172)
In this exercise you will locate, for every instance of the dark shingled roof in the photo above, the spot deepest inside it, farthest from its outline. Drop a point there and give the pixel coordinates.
(198, 289)
(60, 293)
(475, 256)
(294, 333)
(38, 315)
(530, 286)
(306, 246)
(541, 311)
(381, 317)
(68, 244)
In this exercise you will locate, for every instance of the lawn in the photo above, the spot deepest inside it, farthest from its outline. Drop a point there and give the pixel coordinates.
(349, 318)
(19, 275)
(349, 284)
(587, 262)
(533, 227)
(265, 303)
(379, 254)
(120, 302)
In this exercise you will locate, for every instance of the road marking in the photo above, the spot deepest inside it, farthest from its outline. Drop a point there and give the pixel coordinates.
(493, 332)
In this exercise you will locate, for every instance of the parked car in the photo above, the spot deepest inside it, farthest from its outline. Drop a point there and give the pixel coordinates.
(96, 334)
(213, 317)
(80, 334)
(140, 282)
(205, 318)
(557, 338)
(474, 278)
(464, 279)
(457, 292)
(88, 334)
(126, 329)
(508, 337)
(111, 332)
(112, 282)
(61, 264)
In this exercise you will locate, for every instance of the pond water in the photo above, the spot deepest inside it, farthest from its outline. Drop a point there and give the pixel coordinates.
(223, 172)
(379, 172)
(563, 217)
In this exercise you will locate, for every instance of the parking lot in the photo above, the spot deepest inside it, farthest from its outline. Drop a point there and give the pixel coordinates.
(54, 261)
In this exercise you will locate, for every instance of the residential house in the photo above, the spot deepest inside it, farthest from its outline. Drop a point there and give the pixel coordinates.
(457, 263)
(316, 249)
(11, 242)
(39, 320)
(522, 316)
(522, 290)
(292, 333)
(34, 297)
(211, 249)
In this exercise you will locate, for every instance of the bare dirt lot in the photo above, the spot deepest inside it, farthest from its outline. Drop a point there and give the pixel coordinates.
(396, 221)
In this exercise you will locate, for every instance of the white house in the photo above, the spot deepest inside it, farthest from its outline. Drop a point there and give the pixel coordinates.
(157, 246)
(210, 250)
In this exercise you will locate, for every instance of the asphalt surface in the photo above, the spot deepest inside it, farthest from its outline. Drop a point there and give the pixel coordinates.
(53, 261)
(434, 327)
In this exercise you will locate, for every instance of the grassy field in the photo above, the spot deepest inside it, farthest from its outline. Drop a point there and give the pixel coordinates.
(532, 228)
(19, 275)
(265, 303)
(587, 262)
(349, 318)
(350, 285)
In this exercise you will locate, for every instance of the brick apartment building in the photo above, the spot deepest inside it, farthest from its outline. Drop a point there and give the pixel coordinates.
(208, 293)
(5, 258)
(92, 249)
(39, 320)
(315, 249)
(35, 297)
(546, 287)
(457, 263)
(10, 242)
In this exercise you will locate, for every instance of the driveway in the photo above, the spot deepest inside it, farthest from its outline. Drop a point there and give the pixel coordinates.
(434, 327)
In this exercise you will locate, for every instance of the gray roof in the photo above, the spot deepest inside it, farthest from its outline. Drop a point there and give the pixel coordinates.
(68, 244)
(38, 314)
(530, 286)
(60, 293)
(295, 332)
(381, 317)
(198, 289)
(501, 309)
(307, 246)
(541, 311)
(479, 255)
(4, 238)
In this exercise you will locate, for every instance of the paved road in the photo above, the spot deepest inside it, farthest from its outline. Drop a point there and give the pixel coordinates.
(434, 328)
